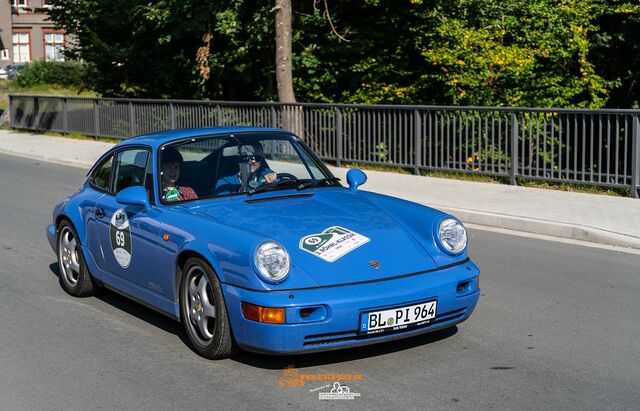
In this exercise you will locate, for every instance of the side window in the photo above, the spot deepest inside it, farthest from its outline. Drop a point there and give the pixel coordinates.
(101, 176)
(131, 169)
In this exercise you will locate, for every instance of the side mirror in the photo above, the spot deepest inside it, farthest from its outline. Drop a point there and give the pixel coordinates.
(136, 195)
(356, 178)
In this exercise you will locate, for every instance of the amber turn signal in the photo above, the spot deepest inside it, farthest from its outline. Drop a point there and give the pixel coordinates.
(263, 314)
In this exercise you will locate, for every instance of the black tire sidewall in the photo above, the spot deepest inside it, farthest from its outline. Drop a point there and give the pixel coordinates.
(75, 290)
(222, 328)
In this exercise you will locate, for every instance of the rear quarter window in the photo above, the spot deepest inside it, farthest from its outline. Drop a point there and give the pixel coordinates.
(101, 176)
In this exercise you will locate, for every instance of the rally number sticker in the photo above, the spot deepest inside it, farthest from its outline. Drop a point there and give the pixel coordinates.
(120, 234)
(332, 243)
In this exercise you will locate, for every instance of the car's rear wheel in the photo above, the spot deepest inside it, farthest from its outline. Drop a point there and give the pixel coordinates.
(203, 311)
(75, 278)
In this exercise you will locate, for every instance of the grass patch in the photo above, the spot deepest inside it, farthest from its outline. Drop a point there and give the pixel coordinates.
(10, 87)
(375, 167)
(480, 178)
(577, 188)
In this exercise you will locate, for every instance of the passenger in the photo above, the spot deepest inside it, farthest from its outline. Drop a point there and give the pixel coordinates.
(253, 173)
(171, 167)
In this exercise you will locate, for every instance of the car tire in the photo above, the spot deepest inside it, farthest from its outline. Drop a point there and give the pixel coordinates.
(203, 311)
(75, 277)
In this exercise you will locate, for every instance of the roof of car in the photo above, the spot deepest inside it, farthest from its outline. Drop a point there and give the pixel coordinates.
(157, 139)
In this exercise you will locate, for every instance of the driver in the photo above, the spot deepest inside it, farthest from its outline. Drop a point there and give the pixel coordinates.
(170, 166)
(253, 173)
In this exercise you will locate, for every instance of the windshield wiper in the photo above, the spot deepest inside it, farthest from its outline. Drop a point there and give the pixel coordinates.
(274, 185)
(314, 183)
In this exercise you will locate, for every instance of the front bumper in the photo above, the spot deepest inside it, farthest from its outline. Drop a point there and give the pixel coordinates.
(335, 324)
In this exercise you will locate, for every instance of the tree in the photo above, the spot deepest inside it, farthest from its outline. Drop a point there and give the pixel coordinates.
(148, 49)
(284, 77)
(513, 52)
(563, 53)
(616, 50)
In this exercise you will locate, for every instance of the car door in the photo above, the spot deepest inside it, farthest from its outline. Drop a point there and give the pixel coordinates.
(99, 184)
(129, 235)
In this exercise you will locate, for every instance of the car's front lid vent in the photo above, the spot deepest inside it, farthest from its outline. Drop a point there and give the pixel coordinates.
(274, 198)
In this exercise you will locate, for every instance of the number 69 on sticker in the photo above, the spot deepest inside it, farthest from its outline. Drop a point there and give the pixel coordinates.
(120, 242)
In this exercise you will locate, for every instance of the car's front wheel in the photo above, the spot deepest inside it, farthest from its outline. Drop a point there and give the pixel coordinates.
(203, 311)
(75, 278)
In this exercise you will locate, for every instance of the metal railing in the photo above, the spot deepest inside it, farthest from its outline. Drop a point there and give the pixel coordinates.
(594, 147)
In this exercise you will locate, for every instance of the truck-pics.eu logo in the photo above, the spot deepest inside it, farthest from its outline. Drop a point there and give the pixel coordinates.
(333, 387)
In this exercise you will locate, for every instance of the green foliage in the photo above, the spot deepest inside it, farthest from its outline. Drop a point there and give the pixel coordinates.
(65, 74)
(513, 52)
(561, 53)
(616, 50)
(369, 58)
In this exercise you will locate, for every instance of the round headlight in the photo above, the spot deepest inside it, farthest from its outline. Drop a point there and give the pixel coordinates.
(452, 236)
(272, 261)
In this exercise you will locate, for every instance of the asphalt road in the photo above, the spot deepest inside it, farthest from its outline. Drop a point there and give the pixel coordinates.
(557, 327)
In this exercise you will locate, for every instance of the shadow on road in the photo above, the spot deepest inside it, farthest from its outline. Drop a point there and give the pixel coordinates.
(265, 361)
(333, 357)
(136, 309)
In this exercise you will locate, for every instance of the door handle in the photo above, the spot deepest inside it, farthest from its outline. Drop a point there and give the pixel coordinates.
(99, 212)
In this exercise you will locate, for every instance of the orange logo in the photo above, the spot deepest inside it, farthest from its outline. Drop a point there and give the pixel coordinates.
(290, 377)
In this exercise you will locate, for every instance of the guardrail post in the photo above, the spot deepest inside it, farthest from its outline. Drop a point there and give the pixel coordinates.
(172, 113)
(514, 149)
(418, 141)
(96, 120)
(12, 113)
(635, 156)
(338, 137)
(132, 120)
(36, 113)
(65, 119)
(274, 117)
(218, 115)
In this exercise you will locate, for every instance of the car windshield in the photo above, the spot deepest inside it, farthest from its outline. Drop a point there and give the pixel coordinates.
(244, 163)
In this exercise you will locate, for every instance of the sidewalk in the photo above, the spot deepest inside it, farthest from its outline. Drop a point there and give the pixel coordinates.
(596, 218)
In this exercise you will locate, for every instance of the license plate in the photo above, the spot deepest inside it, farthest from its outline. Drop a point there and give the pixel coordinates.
(397, 318)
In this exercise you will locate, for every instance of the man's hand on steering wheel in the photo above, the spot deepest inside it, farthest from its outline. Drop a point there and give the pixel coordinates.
(270, 178)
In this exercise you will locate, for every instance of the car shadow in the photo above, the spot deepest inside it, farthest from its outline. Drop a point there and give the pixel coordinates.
(274, 362)
(265, 361)
(137, 310)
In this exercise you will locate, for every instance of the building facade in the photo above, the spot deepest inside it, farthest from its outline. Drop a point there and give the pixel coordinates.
(27, 35)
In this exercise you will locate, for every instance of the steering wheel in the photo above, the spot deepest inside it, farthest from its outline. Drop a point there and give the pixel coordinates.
(285, 176)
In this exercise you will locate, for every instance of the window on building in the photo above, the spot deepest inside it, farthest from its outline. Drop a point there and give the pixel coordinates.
(54, 46)
(21, 5)
(21, 47)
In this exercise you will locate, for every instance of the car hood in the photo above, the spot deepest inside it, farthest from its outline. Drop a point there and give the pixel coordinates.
(335, 235)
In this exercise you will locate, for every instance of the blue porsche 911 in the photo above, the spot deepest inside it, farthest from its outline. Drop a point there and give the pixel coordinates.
(245, 236)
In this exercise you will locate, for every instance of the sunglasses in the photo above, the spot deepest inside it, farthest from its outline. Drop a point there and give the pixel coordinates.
(257, 159)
